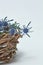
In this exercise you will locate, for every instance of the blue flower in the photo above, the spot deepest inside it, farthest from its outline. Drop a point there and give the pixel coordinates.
(12, 31)
(26, 29)
(5, 23)
(1, 24)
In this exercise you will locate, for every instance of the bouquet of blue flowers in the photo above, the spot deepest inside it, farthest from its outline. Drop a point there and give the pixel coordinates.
(9, 35)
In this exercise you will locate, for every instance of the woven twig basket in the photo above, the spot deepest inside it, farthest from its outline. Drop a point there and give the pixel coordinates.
(8, 46)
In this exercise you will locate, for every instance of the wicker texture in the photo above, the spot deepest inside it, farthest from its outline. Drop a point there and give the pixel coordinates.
(8, 45)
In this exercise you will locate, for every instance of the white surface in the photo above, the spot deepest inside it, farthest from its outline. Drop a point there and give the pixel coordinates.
(30, 50)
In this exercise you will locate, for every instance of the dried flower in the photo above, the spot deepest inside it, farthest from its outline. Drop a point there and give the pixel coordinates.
(26, 29)
(12, 31)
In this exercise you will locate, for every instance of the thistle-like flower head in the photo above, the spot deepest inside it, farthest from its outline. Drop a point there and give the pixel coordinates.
(26, 29)
(12, 31)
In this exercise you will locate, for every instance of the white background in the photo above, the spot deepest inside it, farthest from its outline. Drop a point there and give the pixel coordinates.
(30, 50)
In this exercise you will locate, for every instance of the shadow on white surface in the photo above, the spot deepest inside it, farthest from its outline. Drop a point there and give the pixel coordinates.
(16, 58)
(21, 57)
